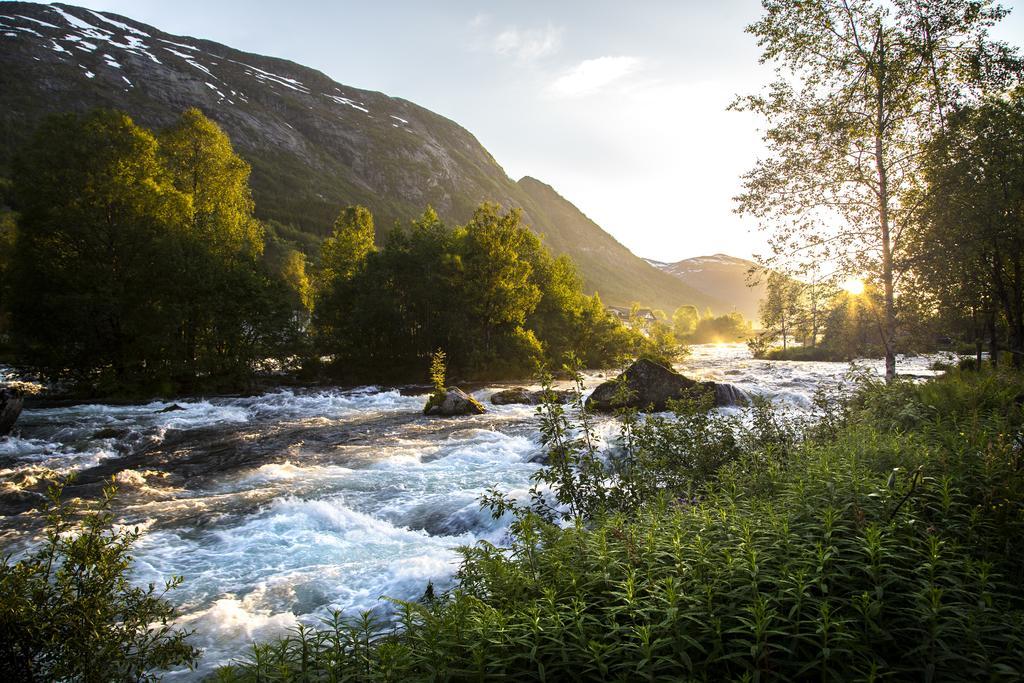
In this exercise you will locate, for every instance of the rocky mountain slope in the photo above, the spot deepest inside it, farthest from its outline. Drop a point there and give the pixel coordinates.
(314, 144)
(722, 276)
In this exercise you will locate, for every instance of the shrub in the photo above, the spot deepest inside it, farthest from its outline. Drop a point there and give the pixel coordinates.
(69, 613)
(882, 541)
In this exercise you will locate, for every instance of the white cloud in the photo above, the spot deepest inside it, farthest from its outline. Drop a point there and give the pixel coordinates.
(523, 45)
(593, 75)
(479, 21)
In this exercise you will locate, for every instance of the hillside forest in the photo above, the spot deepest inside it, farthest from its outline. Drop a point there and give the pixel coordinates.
(132, 263)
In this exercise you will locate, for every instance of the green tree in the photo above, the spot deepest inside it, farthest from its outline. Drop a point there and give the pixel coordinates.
(730, 327)
(293, 272)
(421, 266)
(343, 257)
(779, 306)
(851, 324)
(816, 289)
(219, 243)
(498, 291)
(137, 262)
(859, 85)
(8, 239)
(93, 260)
(203, 166)
(684, 321)
(345, 251)
(969, 246)
(488, 292)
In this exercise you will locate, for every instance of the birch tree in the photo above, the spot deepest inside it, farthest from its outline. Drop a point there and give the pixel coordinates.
(860, 85)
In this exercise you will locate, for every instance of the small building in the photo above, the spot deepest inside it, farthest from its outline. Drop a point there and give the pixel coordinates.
(643, 315)
(619, 312)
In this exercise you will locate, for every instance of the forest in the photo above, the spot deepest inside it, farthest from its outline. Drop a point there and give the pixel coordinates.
(132, 263)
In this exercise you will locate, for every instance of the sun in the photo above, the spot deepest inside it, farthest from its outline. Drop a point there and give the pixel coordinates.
(854, 286)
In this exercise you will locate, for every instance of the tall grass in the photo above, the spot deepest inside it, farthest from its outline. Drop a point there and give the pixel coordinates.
(884, 541)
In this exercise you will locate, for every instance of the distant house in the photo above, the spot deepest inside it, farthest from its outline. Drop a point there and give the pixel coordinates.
(646, 315)
(643, 315)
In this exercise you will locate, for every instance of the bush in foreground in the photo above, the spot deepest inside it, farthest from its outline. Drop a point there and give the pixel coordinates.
(69, 613)
(882, 541)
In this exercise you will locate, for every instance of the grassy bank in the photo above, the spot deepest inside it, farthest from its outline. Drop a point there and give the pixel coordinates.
(882, 541)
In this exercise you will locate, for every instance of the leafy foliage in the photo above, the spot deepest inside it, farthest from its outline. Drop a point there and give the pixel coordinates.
(137, 261)
(971, 208)
(711, 329)
(881, 540)
(68, 611)
(860, 86)
(488, 293)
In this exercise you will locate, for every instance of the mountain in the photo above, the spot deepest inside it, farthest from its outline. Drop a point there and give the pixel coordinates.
(315, 145)
(600, 257)
(722, 276)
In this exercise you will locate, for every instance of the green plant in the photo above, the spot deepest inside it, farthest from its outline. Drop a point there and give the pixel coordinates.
(437, 372)
(69, 612)
(881, 540)
(437, 379)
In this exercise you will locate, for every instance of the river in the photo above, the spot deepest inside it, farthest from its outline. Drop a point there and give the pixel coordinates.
(279, 507)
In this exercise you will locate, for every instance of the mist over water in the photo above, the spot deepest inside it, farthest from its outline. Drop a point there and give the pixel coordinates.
(280, 507)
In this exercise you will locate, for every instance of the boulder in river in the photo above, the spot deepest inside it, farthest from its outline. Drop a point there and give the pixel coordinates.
(519, 395)
(110, 433)
(729, 394)
(12, 400)
(651, 386)
(454, 402)
(173, 408)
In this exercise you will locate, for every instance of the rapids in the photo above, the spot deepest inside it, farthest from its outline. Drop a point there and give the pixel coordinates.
(279, 507)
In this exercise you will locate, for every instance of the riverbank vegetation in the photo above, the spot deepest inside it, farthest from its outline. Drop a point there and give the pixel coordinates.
(893, 152)
(69, 611)
(488, 292)
(883, 538)
(132, 264)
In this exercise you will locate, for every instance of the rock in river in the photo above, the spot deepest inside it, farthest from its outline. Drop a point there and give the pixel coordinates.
(652, 386)
(526, 397)
(11, 401)
(454, 402)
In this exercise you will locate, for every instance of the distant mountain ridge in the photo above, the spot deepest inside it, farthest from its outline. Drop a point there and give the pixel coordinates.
(314, 144)
(720, 275)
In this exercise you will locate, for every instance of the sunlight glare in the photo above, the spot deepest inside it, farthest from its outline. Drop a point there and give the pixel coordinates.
(854, 286)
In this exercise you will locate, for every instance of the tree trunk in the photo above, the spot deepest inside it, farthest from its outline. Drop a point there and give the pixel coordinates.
(889, 323)
(979, 337)
(814, 315)
(993, 340)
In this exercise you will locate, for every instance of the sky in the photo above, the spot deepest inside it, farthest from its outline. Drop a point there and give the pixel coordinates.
(620, 106)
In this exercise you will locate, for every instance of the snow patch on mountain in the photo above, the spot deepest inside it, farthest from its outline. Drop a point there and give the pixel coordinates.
(124, 27)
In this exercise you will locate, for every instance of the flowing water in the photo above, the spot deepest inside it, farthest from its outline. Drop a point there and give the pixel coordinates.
(280, 507)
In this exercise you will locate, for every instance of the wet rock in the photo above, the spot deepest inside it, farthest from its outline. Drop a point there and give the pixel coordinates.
(174, 407)
(521, 396)
(512, 396)
(729, 395)
(12, 400)
(415, 389)
(14, 501)
(651, 386)
(454, 402)
(110, 433)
